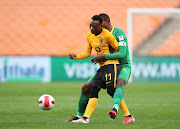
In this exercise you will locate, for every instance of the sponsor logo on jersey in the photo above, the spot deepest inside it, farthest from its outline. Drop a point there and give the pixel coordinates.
(108, 82)
(121, 37)
(122, 43)
(98, 49)
(101, 41)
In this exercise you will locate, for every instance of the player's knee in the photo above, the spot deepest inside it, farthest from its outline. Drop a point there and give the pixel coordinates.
(121, 82)
(86, 88)
(111, 91)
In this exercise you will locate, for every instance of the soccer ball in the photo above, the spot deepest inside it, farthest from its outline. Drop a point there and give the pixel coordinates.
(46, 102)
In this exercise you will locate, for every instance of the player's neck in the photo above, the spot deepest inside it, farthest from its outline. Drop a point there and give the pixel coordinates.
(110, 28)
(99, 32)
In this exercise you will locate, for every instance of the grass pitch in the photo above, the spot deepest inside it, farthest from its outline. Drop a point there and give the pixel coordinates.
(154, 105)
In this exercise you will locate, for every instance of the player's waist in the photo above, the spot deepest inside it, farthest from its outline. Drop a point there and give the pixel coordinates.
(109, 62)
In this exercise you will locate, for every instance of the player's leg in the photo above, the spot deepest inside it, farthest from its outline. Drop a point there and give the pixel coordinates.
(93, 100)
(118, 95)
(125, 73)
(124, 108)
(84, 97)
(92, 103)
(128, 117)
(122, 105)
(83, 100)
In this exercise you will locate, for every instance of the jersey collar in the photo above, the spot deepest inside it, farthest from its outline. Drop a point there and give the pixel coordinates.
(112, 30)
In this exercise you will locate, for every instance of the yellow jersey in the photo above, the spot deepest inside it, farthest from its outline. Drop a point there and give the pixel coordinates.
(104, 43)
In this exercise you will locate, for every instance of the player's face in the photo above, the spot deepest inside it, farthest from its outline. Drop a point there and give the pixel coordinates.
(95, 26)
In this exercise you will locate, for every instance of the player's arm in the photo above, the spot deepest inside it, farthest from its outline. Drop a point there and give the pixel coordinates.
(122, 41)
(85, 54)
(117, 55)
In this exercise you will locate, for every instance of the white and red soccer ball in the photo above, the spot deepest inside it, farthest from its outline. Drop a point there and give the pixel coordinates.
(46, 102)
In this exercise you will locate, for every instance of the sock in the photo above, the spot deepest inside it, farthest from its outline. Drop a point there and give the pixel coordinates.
(83, 101)
(90, 107)
(118, 95)
(124, 108)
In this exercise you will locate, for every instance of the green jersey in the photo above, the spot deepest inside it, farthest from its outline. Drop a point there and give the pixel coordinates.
(123, 54)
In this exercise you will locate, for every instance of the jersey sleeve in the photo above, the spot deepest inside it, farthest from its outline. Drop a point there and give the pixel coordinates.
(122, 43)
(113, 42)
(87, 52)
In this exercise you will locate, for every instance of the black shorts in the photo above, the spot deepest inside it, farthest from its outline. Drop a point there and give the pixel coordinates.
(106, 76)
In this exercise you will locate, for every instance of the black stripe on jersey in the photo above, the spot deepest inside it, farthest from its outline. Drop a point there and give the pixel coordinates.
(111, 50)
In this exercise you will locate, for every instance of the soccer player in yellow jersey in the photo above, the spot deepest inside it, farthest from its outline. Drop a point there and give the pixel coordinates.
(84, 97)
(100, 40)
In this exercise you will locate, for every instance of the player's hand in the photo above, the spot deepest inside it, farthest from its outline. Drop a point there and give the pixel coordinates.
(99, 58)
(72, 55)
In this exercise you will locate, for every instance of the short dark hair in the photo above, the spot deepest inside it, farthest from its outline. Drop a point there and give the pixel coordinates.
(97, 18)
(104, 17)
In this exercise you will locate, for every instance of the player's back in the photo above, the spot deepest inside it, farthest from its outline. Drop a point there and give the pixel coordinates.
(102, 44)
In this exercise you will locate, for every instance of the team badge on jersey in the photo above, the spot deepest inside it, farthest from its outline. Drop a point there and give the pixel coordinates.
(124, 69)
(101, 41)
(121, 37)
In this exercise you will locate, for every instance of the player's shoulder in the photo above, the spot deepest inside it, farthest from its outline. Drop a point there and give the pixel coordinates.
(89, 33)
(106, 33)
(118, 30)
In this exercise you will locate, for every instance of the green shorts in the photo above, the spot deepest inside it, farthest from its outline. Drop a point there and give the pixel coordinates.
(124, 73)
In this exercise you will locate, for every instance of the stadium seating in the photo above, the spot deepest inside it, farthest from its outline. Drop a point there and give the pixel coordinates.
(50, 27)
(170, 48)
(144, 29)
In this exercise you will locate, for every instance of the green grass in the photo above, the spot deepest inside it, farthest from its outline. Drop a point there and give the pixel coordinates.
(154, 105)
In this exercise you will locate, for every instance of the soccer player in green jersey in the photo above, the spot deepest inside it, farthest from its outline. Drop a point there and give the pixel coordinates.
(124, 60)
(84, 97)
